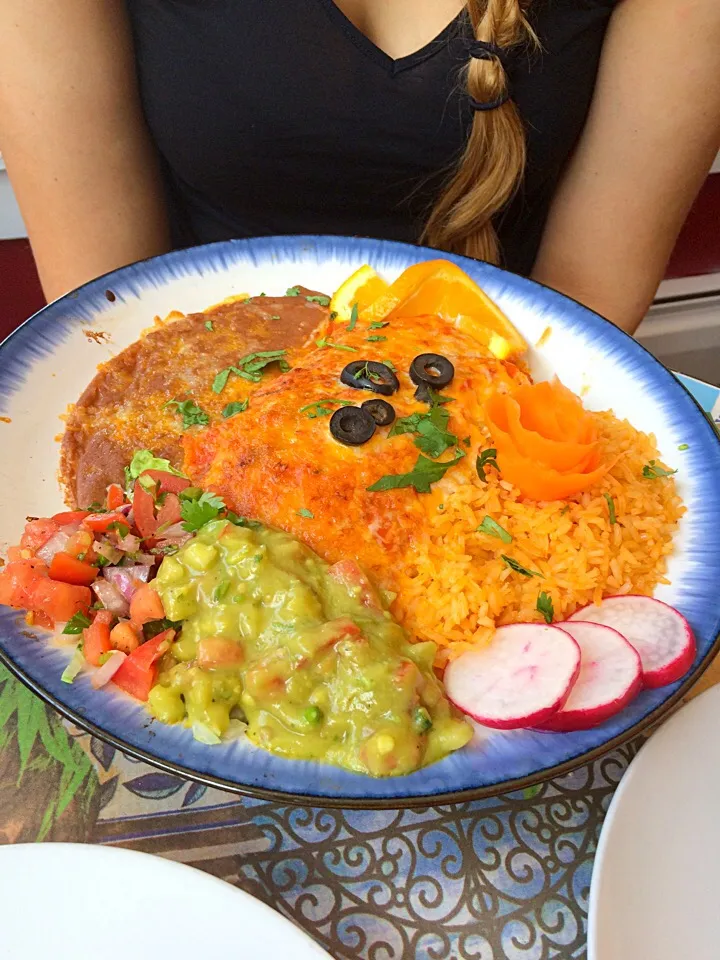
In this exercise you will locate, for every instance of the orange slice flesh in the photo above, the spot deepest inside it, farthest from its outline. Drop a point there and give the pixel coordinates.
(449, 293)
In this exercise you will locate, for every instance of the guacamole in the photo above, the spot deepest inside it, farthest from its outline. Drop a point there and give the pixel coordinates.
(306, 653)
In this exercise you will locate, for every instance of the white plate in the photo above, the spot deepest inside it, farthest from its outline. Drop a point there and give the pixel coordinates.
(655, 892)
(66, 901)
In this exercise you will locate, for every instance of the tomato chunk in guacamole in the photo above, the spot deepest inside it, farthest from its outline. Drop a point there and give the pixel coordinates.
(305, 652)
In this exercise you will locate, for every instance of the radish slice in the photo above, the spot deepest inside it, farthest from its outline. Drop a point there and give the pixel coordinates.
(610, 677)
(520, 680)
(660, 634)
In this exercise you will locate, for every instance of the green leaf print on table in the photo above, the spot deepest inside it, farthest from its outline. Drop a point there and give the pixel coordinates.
(48, 785)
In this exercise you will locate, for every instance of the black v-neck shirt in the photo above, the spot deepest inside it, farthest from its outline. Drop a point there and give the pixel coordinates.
(281, 117)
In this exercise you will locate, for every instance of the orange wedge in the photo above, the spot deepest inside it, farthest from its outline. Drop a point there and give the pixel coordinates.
(399, 292)
(440, 288)
(362, 288)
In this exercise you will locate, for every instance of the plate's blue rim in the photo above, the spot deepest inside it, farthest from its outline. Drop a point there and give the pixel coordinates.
(92, 296)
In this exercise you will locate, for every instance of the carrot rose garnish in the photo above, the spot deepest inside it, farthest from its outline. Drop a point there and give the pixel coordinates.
(546, 442)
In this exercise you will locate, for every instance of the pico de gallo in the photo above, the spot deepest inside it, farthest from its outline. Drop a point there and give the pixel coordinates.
(230, 627)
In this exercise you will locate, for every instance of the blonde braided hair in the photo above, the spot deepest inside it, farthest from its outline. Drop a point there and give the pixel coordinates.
(494, 159)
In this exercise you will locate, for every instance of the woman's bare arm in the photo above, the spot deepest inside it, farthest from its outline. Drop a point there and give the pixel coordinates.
(651, 137)
(74, 139)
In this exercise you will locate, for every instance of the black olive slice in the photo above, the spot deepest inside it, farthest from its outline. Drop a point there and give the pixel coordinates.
(382, 412)
(352, 426)
(432, 370)
(370, 375)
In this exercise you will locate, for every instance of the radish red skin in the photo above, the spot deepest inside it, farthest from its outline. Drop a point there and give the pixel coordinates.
(628, 614)
(529, 667)
(579, 714)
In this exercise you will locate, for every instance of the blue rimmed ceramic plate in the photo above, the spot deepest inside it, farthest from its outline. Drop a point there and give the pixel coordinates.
(45, 365)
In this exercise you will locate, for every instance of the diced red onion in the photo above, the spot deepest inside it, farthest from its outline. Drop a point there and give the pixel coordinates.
(129, 544)
(176, 530)
(57, 542)
(145, 559)
(111, 598)
(107, 550)
(107, 671)
(125, 579)
(124, 509)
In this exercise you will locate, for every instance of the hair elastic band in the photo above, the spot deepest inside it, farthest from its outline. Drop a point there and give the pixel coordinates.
(490, 104)
(483, 50)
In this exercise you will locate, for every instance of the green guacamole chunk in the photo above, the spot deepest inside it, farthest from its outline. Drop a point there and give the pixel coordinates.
(304, 652)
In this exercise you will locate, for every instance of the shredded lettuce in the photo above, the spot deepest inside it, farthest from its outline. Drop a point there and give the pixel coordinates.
(146, 460)
(77, 662)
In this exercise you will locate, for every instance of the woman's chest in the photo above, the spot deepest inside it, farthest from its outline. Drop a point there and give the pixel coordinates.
(240, 91)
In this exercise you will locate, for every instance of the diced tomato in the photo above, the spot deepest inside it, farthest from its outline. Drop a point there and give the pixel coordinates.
(80, 545)
(144, 511)
(124, 636)
(59, 601)
(349, 574)
(145, 606)
(73, 516)
(69, 569)
(37, 533)
(167, 482)
(96, 639)
(170, 513)
(219, 652)
(25, 585)
(39, 619)
(115, 497)
(137, 674)
(99, 522)
(17, 582)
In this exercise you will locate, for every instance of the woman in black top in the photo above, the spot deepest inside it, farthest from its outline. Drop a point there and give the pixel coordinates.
(564, 139)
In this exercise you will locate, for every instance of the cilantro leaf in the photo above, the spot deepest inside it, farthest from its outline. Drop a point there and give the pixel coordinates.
(243, 521)
(390, 365)
(221, 379)
(519, 568)
(196, 513)
(322, 300)
(486, 459)
(421, 477)
(325, 342)
(433, 437)
(76, 624)
(375, 339)
(154, 627)
(544, 606)
(653, 471)
(292, 292)
(209, 325)
(320, 408)
(304, 512)
(353, 317)
(191, 413)
(433, 440)
(379, 324)
(611, 509)
(237, 406)
(493, 529)
(251, 367)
